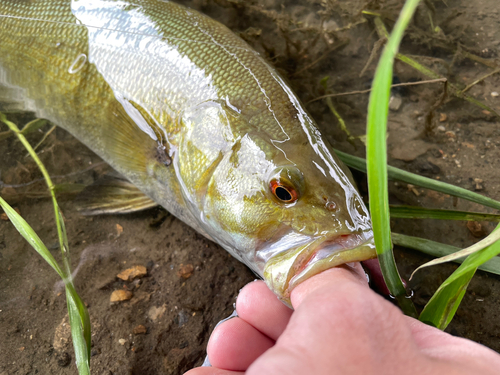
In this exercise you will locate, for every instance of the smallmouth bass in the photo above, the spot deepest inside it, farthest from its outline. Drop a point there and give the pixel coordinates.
(195, 119)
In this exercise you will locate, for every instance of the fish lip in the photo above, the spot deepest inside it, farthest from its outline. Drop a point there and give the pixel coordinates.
(322, 254)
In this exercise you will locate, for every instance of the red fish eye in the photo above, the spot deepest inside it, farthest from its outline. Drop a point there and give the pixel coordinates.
(285, 194)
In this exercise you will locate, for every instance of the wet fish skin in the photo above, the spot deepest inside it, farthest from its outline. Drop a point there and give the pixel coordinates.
(196, 119)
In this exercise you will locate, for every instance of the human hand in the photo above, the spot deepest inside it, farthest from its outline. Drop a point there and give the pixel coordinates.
(338, 326)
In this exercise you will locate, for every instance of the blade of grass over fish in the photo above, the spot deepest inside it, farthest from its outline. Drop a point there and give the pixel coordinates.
(437, 249)
(441, 308)
(413, 212)
(490, 240)
(376, 150)
(425, 182)
(80, 326)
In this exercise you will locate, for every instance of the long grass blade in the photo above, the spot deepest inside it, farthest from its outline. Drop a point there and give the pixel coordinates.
(441, 308)
(488, 241)
(376, 149)
(80, 329)
(425, 182)
(413, 212)
(437, 250)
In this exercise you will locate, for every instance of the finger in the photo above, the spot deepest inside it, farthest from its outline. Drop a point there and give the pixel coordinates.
(260, 307)
(344, 275)
(212, 371)
(235, 344)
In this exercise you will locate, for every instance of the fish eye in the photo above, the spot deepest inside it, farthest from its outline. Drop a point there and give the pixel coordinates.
(285, 194)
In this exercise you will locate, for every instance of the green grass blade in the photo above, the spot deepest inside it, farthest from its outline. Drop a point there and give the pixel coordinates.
(80, 329)
(376, 149)
(428, 183)
(444, 303)
(488, 241)
(413, 212)
(29, 235)
(441, 308)
(437, 250)
(78, 313)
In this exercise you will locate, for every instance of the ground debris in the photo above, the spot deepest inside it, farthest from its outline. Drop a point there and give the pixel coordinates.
(185, 271)
(156, 313)
(140, 329)
(476, 229)
(478, 184)
(132, 273)
(121, 295)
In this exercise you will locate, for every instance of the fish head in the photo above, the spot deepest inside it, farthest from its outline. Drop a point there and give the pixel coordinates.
(288, 210)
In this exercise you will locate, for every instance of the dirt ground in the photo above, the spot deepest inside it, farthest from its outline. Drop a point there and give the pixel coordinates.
(192, 283)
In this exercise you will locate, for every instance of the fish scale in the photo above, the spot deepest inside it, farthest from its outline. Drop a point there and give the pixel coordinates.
(197, 120)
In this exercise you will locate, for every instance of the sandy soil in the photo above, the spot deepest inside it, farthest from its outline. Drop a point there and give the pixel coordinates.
(449, 139)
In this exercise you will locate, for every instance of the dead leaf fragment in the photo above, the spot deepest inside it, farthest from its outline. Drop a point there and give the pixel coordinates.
(185, 271)
(132, 273)
(120, 295)
(443, 117)
(140, 329)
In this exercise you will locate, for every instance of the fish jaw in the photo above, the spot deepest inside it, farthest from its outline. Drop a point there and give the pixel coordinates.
(286, 270)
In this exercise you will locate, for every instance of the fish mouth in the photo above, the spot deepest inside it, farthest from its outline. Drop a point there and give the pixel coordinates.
(286, 270)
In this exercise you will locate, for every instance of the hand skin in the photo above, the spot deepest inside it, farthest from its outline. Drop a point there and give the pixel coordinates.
(338, 326)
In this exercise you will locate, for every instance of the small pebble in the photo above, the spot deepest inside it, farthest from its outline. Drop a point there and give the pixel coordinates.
(450, 134)
(185, 271)
(119, 230)
(476, 229)
(395, 103)
(494, 94)
(140, 329)
(441, 128)
(132, 273)
(122, 341)
(120, 295)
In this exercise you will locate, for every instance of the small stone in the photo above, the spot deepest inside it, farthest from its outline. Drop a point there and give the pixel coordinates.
(121, 295)
(119, 230)
(122, 341)
(476, 229)
(156, 313)
(450, 134)
(441, 128)
(443, 117)
(494, 94)
(132, 273)
(395, 103)
(140, 329)
(185, 271)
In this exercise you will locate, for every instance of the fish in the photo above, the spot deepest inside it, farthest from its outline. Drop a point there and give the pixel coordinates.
(194, 120)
